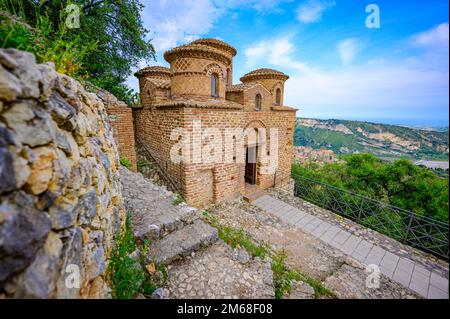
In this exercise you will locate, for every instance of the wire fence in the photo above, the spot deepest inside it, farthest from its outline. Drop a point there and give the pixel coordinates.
(418, 231)
(171, 172)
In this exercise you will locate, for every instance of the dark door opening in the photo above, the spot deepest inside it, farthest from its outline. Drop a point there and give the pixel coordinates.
(250, 165)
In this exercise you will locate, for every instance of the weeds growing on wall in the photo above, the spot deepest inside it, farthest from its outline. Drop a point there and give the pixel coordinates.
(129, 276)
(125, 162)
(142, 163)
(177, 200)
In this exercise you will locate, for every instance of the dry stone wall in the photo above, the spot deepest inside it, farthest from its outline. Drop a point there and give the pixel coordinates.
(60, 193)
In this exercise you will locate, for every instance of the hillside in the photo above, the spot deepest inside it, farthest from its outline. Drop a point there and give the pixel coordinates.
(383, 140)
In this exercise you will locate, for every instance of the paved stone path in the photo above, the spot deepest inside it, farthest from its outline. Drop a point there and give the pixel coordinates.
(221, 272)
(411, 274)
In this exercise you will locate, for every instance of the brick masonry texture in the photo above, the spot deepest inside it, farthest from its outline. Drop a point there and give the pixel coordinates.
(121, 119)
(179, 96)
(60, 191)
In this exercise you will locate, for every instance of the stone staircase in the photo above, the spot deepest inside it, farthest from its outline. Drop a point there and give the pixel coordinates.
(199, 264)
(252, 193)
(182, 243)
(175, 231)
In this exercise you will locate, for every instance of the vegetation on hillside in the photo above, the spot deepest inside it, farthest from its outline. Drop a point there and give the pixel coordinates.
(108, 43)
(387, 141)
(400, 183)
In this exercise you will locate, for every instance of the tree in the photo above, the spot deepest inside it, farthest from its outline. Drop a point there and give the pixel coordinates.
(400, 183)
(110, 41)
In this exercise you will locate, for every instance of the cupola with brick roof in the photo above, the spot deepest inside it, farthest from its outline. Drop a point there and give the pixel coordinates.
(154, 84)
(273, 81)
(201, 69)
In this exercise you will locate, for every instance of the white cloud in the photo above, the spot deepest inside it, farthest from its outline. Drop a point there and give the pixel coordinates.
(172, 22)
(379, 91)
(376, 61)
(348, 49)
(259, 5)
(311, 11)
(435, 39)
(277, 52)
(379, 88)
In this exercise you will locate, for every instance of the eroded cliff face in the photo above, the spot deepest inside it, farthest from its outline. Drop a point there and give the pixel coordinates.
(60, 193)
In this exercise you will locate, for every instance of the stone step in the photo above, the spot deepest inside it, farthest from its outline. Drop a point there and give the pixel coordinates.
(253, 194)
(182, 242)
(152, 209)
(158, 221)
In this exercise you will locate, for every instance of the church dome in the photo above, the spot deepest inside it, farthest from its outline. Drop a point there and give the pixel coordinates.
(264, 73)
(153, 70)
(197, 50)
(218, 44)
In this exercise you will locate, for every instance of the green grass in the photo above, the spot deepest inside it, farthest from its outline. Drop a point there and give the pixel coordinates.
(238, 238)
(126, 277)
(177, 200)
(142, 164)
(283, 277)
(125, 162)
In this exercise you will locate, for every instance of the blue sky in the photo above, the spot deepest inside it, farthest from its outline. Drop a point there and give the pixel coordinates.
(339, 68)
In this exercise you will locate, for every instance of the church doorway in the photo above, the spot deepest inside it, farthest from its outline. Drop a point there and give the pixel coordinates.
(250, 164)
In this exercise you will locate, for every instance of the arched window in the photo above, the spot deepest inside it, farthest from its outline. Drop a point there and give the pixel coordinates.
(258, 99)
(214, 85)
(278, 97)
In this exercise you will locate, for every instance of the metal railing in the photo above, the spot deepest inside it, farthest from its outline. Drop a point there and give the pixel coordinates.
(421, 232)
(163, 167)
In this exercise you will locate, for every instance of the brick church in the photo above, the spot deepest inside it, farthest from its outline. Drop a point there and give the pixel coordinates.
(198, 90)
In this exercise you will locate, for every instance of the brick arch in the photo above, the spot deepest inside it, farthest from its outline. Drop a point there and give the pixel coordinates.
(214, 68)
(255, 124)
(149, 90)
(277, 85)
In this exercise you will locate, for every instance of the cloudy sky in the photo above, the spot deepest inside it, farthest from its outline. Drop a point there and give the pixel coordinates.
(338, 67)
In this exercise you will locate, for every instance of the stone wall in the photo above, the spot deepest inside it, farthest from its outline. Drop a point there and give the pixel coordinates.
(60, 193)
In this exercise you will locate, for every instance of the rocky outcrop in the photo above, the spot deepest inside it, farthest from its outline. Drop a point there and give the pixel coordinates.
(60, 193)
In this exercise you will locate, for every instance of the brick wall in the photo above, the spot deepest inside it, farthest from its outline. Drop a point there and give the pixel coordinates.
(192, 76)
(121, 119)
(204, 183)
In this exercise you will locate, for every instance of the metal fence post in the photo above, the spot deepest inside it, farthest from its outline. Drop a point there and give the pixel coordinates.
(408, 228)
